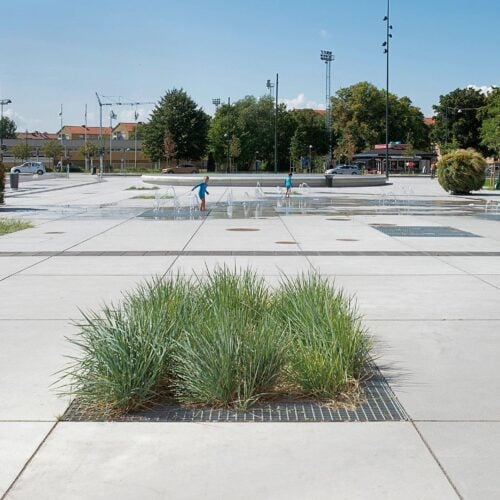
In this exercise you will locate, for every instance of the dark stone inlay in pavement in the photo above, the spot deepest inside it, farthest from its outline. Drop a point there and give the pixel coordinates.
(424, 231)
(286, 242)
(256, 253)
(242, 229)
(380, 405)
(347, 239)
(55, 232)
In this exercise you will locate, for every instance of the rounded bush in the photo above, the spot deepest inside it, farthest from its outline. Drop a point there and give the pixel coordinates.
(461, 171)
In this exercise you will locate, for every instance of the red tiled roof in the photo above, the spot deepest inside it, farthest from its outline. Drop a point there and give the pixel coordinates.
(36, 135)
(430, 120)
(125, 126)
(73, 129)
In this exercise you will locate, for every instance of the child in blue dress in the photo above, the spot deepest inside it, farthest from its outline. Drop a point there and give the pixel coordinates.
(288, 185)
(202, 192)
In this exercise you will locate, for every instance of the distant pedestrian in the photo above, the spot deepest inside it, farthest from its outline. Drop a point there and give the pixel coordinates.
(433, 170)
(288, 185)
(202, 192)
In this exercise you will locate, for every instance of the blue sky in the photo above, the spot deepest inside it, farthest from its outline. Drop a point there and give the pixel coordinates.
(57, 52)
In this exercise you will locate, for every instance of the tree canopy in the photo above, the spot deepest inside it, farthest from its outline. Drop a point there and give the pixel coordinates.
(53, 149)
(188, 125)
(490, 129)
(458, 120)
(359, 118)
(21, 150)
(7, 128)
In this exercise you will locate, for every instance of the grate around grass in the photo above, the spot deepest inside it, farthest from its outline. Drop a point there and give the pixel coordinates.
(380, 405)
(423, 231)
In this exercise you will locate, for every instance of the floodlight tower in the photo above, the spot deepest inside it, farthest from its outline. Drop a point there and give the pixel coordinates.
(216, 103)
(328, 57)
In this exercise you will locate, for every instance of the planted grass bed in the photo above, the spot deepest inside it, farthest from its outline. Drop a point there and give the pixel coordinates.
(223, 341)
(13, 225)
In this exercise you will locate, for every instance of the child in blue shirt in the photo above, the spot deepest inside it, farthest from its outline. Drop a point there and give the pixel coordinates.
(288, 185)
(201, 193)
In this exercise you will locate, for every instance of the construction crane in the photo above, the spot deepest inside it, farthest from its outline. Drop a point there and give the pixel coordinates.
(117, 102)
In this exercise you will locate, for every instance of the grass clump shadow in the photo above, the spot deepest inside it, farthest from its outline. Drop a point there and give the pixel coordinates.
(222, 340)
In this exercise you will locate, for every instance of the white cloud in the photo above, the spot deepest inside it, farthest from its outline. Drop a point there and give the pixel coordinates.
(22, 123)
(324, 34)
(484, 89)
(300, 102)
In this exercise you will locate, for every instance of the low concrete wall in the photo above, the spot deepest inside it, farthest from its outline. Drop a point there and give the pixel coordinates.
(265, 180)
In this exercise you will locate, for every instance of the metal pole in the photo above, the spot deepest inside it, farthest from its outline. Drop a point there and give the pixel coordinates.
(387, 167)
(276, 129)
(62, 137)
(136, 115)
(1, 132)
(110, 139)
(228, 135)
(86, 152)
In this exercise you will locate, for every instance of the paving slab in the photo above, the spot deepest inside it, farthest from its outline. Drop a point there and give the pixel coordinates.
(469, 453)
(102, 266)
(269, 266)
(475, 264)
(12, 265)
(144, 235)
(442, 370)
(18, 442)
(245, 461)
(435, 297)
(31, 354)
(358, 265)
(60, 297)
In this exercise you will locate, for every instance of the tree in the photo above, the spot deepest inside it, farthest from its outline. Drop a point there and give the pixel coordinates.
(88, 151)
(235, 147)
(7, 128)
(458, 120)
(169, 147)
(21, 150)
(346, 149)
(53, 150)
(187, 123)
(310, 131)
(359, 113)
(490, 128)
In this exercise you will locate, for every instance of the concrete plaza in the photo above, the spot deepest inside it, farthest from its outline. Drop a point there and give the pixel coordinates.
(432, 304)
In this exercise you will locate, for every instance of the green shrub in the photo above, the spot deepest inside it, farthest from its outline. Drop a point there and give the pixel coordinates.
(2, 182)
(235, 350)
(461, 171)
(329, 349)
(13, 225)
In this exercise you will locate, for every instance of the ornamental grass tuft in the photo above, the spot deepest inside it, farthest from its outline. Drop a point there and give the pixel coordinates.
(235, 351)
(222, 340)
(329, 348)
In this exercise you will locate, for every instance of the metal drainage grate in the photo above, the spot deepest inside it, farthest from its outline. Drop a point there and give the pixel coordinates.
(286, 242)
(424, 231)
(345, 219)
(381, 405)
(242, 229)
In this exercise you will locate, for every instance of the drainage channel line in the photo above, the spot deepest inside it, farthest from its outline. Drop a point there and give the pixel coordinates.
(440, 465)
(9, 489)
(66, 249)
(190, 239)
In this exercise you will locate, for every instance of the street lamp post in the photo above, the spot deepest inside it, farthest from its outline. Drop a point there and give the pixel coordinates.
(328, 57)
(310, 158)
(112, 117)
(386, 46)
(276, 128)
(3, 103)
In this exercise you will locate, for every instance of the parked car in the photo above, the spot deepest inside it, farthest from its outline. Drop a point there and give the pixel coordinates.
(183, 168)
(29, 167)
(344, 170)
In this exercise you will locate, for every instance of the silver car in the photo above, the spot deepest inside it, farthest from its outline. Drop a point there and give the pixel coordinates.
(344, 170)
(29, 167)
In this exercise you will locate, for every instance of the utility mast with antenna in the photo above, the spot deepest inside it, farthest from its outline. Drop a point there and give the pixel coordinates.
(118, 102)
